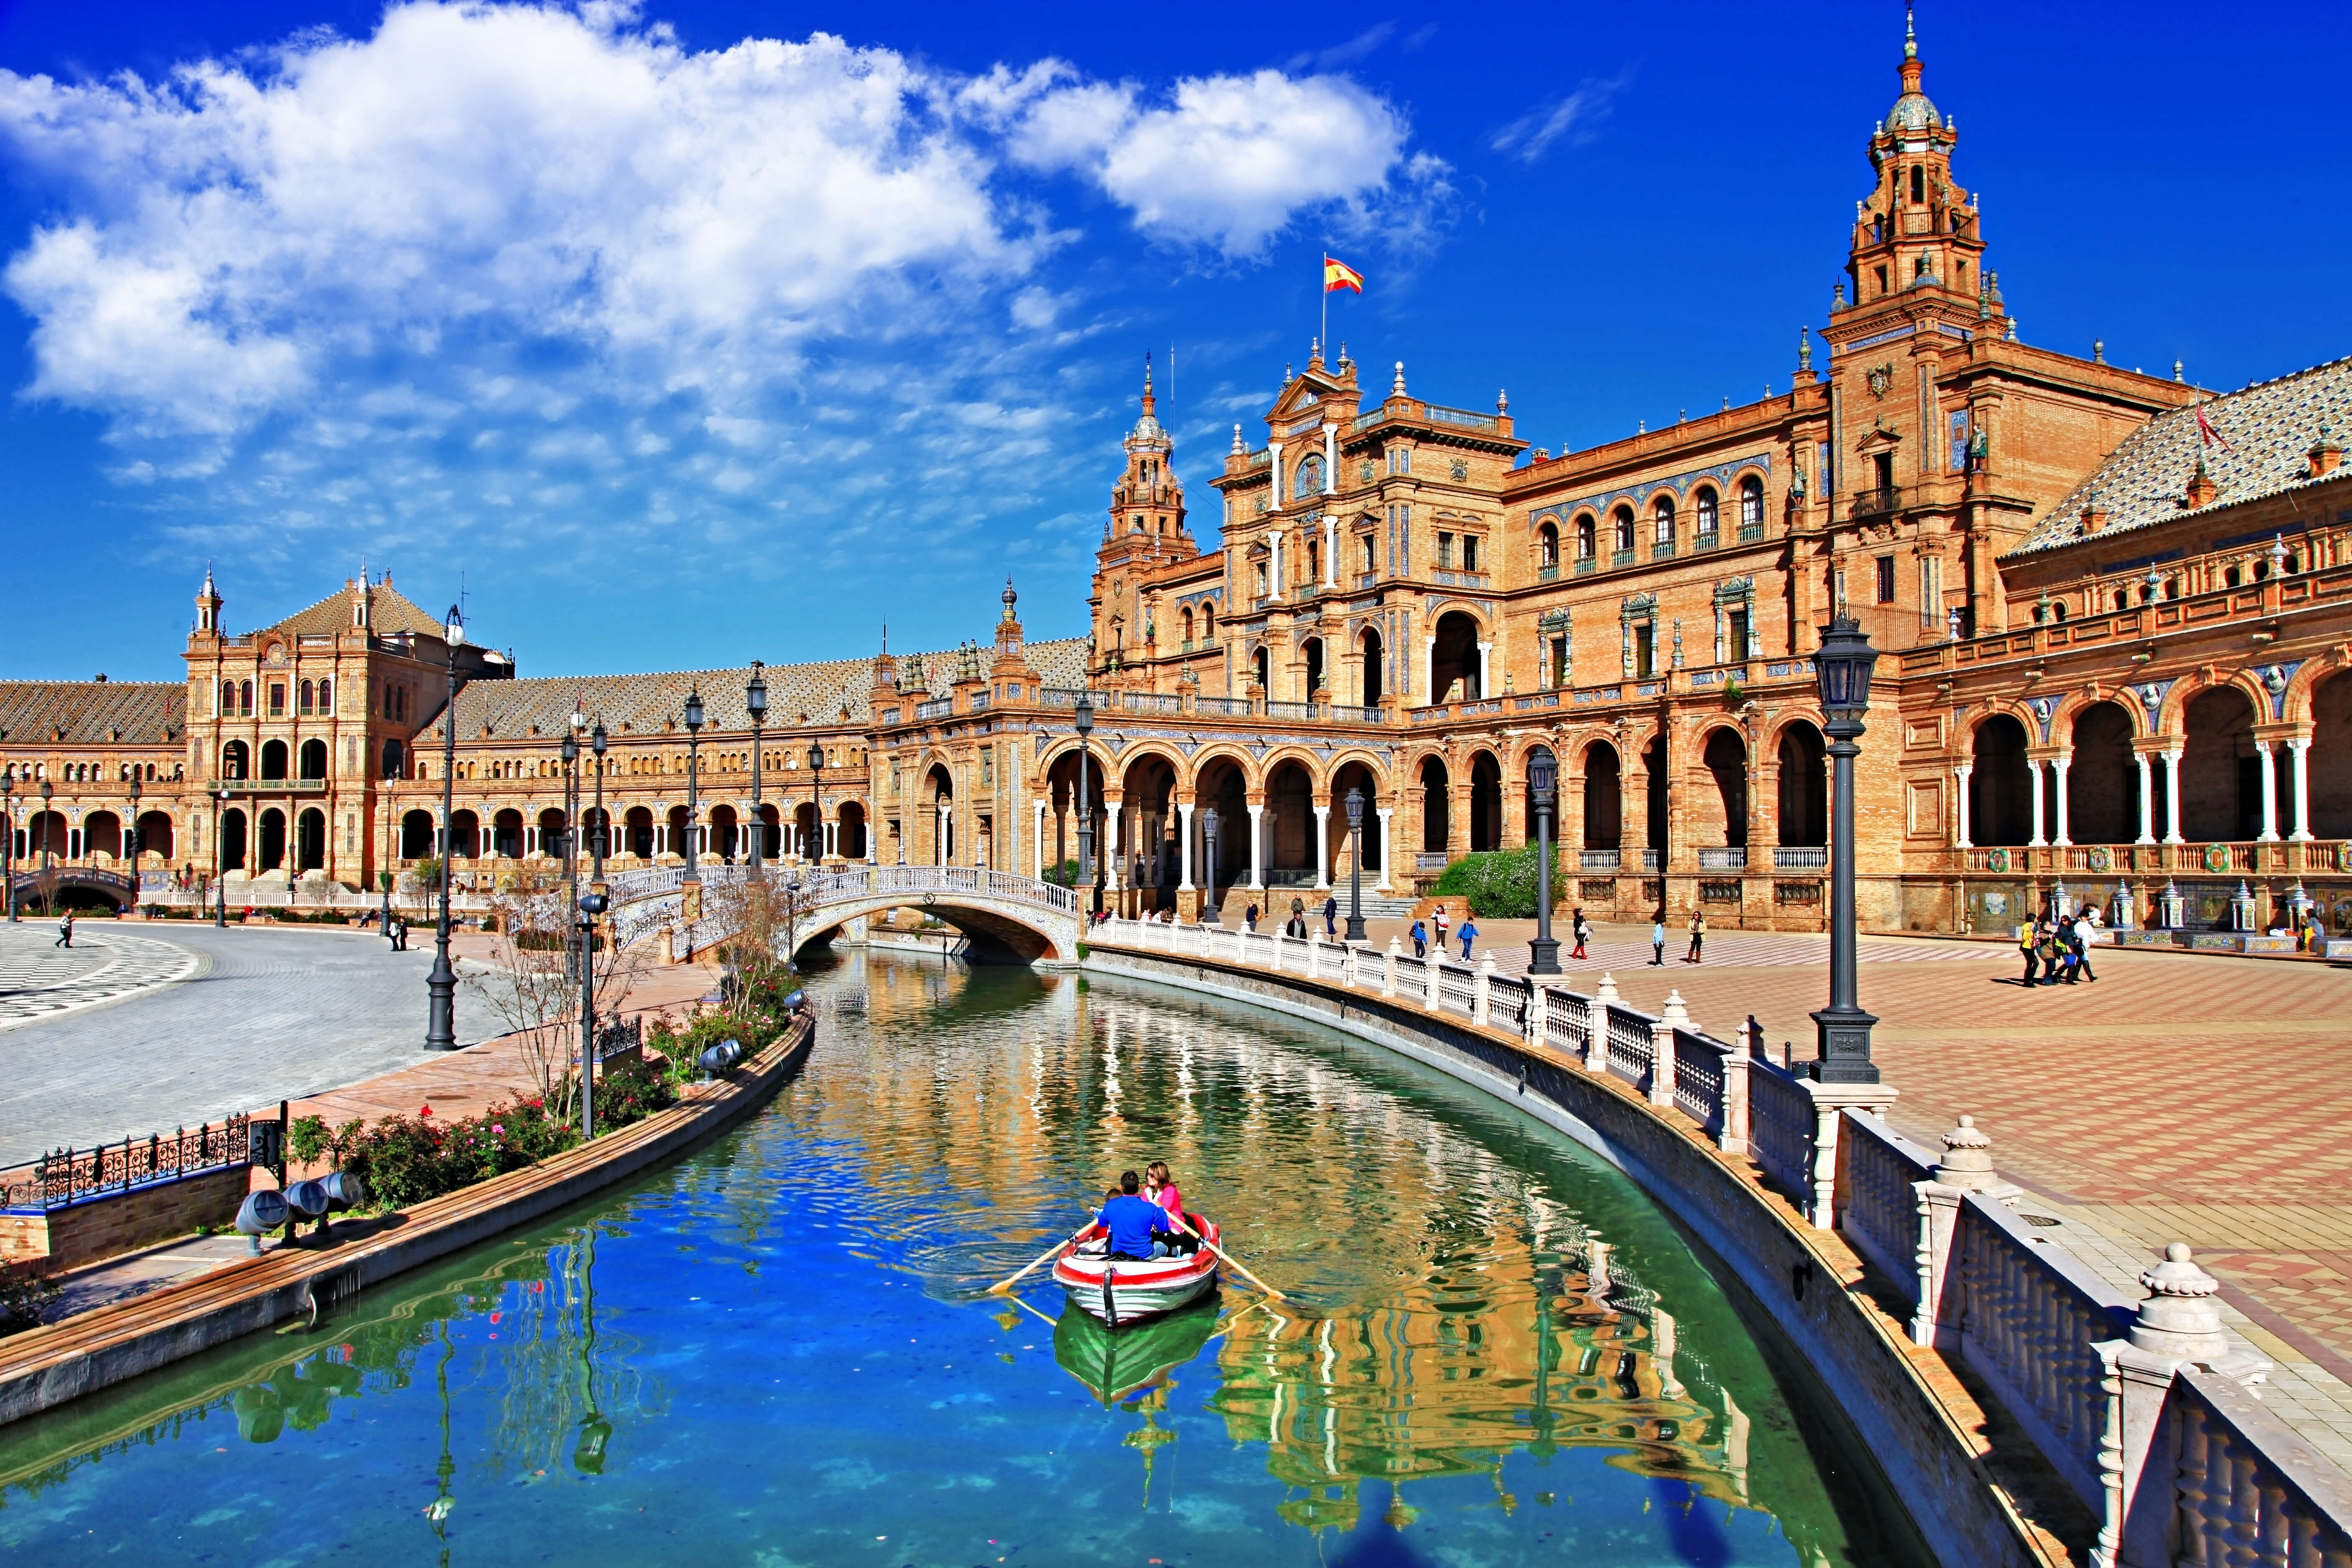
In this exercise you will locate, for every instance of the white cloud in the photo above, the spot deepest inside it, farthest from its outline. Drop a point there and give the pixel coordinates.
(1573, 118)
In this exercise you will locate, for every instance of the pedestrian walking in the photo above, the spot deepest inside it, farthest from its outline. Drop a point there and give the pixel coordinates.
(1468, 932)
(1420, 940)
(1658, 942)
(399, 934)
(2078, 950)
(1437, 923)
(1697, 936)
(1582, 931)
(64, 931)
(1331, 915)
(2029, 942)
(1249, 915)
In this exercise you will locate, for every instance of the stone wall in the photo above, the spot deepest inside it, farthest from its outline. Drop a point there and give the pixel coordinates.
(109, 1227)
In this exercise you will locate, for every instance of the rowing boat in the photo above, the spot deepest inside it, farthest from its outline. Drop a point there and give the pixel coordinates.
(1115, 1366)
(1123, 1290)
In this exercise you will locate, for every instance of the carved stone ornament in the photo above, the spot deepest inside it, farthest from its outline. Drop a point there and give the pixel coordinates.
(1881, 379)
(1461, 468)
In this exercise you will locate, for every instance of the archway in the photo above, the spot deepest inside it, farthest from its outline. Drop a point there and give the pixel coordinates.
(1604, 797)
(1653, 771)
(231, 855)
(2102, 779)
(102, 833)
(1290, 827)
(674, 838)
(394, 760)
(1486, 802)
(1313, 651)
(850, 832)
(235, 760)
(637, 832)
(273, 836)
(310, 840)
(155, 835)
(1359, 777)
(2328, 763)
(1221, 786)
(1374, 688)
(314, 758)
(723, 834)
(506, 835)
(805, 842)
(2220, 783)
(1723, 816)
(1147, 823)
(938, 796)
(767, 831)
(553, 829)
(1804, 805)
(1454, 662)
(1436, 806)
(273, 759)
(465, 835)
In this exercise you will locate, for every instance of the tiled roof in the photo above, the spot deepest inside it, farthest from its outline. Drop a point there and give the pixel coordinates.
(814, 694)
(393, 612)
(92, 713)
(2269, 427)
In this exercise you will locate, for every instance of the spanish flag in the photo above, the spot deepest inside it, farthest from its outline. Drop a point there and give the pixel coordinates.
(1339, 275)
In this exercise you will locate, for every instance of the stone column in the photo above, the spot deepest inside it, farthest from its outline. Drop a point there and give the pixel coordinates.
(1037, 868)
(1384, 812)
(2059, 765)
(1960, 805)
(1428, 672)
(2033, 772)
(2299, 750)
(2146, 800)
(939, 845)
(1330, 552)
(1330, 460)
(1457, 819)
(1485, 682)
(2270, 832)
(1114, 855)
(1273, 450)
(2172, 796)
(1257, 841)
(1184, 847)
(1322, 847)
(1965, 1167)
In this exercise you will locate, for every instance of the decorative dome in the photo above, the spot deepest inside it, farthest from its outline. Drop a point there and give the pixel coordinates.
(1146, 429)
(1912, 113)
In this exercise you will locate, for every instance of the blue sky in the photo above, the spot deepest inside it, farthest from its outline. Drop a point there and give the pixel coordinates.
(690, 334)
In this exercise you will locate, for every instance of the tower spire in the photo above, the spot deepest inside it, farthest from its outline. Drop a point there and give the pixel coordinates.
(1910, 34)
(1147, 398)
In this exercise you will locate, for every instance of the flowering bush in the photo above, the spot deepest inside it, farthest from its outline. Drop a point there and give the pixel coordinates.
(406, 1160)
(1500, 884)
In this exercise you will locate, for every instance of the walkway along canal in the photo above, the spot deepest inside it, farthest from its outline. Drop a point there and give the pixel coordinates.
(1496, 1350)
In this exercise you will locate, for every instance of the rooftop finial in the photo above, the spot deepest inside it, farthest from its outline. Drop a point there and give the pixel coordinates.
(1239, 446)
(1910, 34)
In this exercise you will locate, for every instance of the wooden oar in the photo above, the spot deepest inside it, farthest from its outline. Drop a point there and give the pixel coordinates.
(1242, 1269)
(1002, 1285)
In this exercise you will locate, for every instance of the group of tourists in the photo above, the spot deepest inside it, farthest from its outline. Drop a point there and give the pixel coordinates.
(1143, 1217)
(2057, 951)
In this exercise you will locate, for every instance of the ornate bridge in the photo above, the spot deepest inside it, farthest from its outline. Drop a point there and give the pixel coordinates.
(1009, 917)
(36, 886)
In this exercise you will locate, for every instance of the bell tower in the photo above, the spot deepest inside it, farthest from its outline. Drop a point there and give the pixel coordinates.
(1917, 236)
(1145, 528)
(208, 604)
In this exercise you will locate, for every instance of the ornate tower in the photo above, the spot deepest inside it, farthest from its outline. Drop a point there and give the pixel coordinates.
(1145, 529)
(208, 604)
(1917, 236)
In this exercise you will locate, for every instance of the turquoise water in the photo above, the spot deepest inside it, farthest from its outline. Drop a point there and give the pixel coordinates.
(778, 1351)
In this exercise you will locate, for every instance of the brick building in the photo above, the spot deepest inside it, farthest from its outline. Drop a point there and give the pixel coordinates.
(2117, 611)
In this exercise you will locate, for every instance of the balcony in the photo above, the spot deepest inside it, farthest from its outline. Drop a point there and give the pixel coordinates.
(1723, 857)
(1751, 533)
(1549, 572)
(939, 708)
(1876, 503)
(1598, 859)
(1800, 857)
(1705, 542)
(1664, 550)
(1620, 558)
(1586, 565)
(267, 786)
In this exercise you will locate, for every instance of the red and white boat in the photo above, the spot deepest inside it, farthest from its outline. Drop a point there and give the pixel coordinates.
(1123, 1290)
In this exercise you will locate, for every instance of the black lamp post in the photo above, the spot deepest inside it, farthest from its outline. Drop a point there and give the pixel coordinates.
(131, 842)
(1843, 663)
(815, 855)
(591, 906)
(49, 888)
(602, 831)
(441, 985)
(1209, 831)
(693, 781)
(8, 848)
(755, 701)
(1355, 870)
(570, 751)
(1543, 783)
(1083, 720)
(220, 866)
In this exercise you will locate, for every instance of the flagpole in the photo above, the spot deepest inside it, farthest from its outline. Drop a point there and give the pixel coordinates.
(1323, 283)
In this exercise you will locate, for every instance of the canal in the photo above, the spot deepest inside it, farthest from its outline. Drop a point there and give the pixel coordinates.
(779, 1350)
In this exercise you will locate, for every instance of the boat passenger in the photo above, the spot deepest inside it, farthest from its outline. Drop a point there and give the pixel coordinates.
(1138, 1226)
(1160, 1186)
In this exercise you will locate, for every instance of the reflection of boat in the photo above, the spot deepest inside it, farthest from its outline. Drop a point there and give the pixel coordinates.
(1115, 1365)
(1121, 1290)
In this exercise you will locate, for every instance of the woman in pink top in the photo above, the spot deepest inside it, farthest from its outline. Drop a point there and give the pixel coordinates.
(1160, 1186)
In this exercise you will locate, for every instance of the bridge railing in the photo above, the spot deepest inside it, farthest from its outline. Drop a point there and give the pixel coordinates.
(824, 887)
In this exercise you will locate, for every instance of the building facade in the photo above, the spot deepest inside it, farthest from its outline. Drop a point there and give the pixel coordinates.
(2115, 611)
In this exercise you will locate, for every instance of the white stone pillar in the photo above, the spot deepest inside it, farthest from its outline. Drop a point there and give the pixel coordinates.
(1486, 687)
(1037, 867)
(2033, 772)
(1429, 668)
(1273, 584)
(1384, 811)
(1960, 805)
(1330, 460)
(1114, 858)
(2172, 797)
(2059, 765)
(1330, 551)
(2269, 833)
(1323, 846)
(939, 856)
(1184, 846)
(2146, 800)
(1257, 840)
(1275, 448)
(2300, 750)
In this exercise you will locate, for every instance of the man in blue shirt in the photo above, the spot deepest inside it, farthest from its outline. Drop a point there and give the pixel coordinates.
(1136, 1224)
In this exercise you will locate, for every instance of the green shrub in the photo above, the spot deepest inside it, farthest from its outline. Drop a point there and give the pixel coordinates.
(1500, 884)
(406, 1160)
(23, 1296)
(631, 1091)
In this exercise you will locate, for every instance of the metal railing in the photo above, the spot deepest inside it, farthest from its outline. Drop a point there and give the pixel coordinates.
(1800, 857)
(1598, 859)
(1723, 857)
(69, 1176)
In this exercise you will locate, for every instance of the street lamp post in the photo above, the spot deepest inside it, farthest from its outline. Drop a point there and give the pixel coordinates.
(132, 841)
(693, 782)
(1543, 782)
(1843, 663)
(220, 866)
(815, 855)
(1209, 831)
(591, 906)
(49, 888)
(570, 751)
(441, 985)
(1356, 867)
(8, 848)
(755, 702)
(1083, 720)
(601, 830)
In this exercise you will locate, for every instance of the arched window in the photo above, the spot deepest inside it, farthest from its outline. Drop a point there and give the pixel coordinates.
(1751, 503)
(308, 692)
(1208, 621)
(327, 694)
(228, 697)
(1587, 530)
(245, 696)
(1709, 517)
(235, 760)
(314, 758)
(2228, 577)
(1548, 544)
(1187, 627)
(394, 760)
(1663, 514)
(1623, 518)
